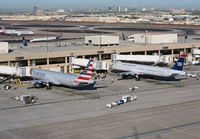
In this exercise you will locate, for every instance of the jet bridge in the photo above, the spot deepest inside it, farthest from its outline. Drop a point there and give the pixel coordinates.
(15, 71)
(155, 59)
(196, 56)
(97, 65)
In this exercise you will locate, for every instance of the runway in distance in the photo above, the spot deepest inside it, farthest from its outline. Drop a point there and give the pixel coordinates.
(47, 78)
(15, 32)
(128, 70)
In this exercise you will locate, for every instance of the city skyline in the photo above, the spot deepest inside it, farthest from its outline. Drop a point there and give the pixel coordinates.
(25, 5)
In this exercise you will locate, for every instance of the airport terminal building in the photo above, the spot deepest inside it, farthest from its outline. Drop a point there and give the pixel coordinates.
(59, 58)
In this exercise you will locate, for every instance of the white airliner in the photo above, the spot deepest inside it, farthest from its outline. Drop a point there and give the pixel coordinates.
(15, 32)
(128, 70)
(46, 78)
(46, 39)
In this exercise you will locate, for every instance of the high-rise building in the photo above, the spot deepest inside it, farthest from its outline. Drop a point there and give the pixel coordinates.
(35, 10)
(118, 9)
(109, 8)
(182, 11)
(71, 10)
(174, 11)
(125, 9)
(144, 9)
(152, 9)
(193, 9)
(114, 8)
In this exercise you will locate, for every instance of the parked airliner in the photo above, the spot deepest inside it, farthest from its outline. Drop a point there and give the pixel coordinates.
(46, 39)
(128, 70)
(15, 32)
(46, 78)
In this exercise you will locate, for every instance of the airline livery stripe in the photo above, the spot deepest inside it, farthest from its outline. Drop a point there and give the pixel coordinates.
(89, 74)
(83, 78)
(143, 73)
(77, 82)
(83, 83)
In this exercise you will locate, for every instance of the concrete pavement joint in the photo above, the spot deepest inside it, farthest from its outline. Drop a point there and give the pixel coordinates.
(184, 132)
(160, 130)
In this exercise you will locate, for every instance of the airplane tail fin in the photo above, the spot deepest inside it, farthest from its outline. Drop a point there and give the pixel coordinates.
(24, 41)
(179, 63)
(87, 73)
(123, 36)
(4, 30)
(59, 36)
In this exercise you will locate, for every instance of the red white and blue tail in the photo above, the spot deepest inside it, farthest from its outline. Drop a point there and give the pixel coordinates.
(4, 30)
(87, 73)
(179, 63)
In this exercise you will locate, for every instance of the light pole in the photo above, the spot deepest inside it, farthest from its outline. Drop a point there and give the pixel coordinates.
(47, 38)
(100, 42)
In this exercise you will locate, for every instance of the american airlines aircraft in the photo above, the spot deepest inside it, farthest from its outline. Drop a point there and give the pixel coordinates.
(129, 70)
(46, 78)
(15, 32)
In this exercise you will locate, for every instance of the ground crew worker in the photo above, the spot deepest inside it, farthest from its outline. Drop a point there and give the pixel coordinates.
(112, 80)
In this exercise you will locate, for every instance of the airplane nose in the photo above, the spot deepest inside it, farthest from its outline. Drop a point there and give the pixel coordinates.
(111, 66)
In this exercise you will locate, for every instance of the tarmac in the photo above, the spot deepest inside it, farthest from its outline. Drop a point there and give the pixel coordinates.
(164, 109)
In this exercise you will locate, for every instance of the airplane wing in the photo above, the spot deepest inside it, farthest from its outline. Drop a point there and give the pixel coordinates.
(135, 73)
(38, 83)
(174, 74)
(42, 82)
(129, 73)
(32, 82)
(192, 71)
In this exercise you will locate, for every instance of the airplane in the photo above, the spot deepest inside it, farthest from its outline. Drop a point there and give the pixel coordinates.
(129, 70)
(47, 78)
(15, 32)
(46, 39)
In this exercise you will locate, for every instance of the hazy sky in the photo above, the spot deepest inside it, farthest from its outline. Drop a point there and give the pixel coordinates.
(81, 4)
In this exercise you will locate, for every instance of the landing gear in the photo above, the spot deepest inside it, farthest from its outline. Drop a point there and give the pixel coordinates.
(123, 76)
(48, 86)
(172, 78)
(137, 77)
(127, 76)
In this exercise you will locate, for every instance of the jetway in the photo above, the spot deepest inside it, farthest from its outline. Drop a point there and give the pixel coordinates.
(6, 70)
(15, 71)
(142, 58)
(196, 56)
(97, 65)
(195, 51)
